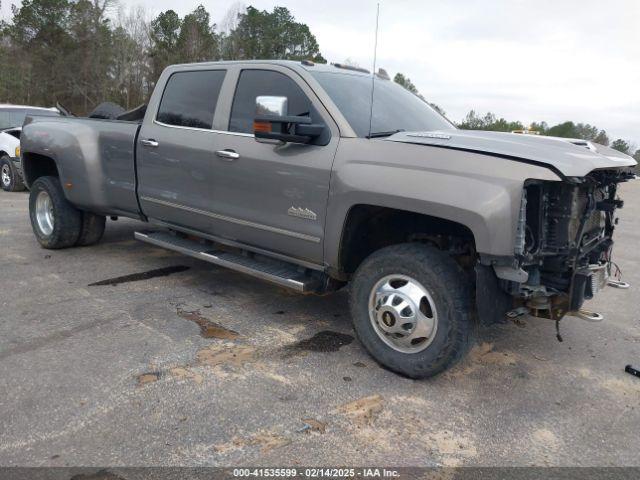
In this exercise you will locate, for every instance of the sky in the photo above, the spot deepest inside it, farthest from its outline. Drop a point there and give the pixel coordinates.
(527, 60)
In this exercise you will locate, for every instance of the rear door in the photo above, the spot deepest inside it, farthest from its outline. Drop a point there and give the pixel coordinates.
(176, 150)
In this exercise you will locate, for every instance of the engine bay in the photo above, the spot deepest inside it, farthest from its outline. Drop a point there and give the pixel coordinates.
(564, 241)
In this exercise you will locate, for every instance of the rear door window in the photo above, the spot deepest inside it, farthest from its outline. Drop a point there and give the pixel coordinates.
(190, 98)
(255, 83)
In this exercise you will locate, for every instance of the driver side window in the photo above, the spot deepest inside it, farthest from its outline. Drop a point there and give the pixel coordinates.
(256, 83)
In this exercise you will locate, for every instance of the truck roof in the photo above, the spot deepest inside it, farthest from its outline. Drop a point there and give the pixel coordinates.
(305, 64)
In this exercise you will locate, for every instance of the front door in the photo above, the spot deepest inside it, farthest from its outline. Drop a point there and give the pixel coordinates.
(176, 151)
(273, 196)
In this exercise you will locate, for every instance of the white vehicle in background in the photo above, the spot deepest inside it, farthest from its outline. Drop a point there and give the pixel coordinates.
(11, 120)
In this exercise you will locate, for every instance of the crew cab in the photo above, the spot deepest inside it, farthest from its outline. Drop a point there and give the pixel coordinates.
(286, 171)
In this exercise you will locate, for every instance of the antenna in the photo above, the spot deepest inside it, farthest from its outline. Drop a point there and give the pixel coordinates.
(373, 75)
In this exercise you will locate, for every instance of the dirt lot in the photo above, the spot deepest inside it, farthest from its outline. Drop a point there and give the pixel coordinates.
(196, 365)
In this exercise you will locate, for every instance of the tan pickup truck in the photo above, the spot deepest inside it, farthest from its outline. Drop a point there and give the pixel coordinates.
(279, 171)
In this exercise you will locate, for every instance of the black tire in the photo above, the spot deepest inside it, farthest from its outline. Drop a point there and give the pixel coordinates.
(10, 179)
(92, 229)
(450, 292)
(107, 110)
(67, 219)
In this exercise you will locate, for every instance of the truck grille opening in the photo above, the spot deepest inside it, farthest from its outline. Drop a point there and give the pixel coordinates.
(568, 231)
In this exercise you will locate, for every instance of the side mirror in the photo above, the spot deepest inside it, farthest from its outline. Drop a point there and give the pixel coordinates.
(278, 106)
(273, 123)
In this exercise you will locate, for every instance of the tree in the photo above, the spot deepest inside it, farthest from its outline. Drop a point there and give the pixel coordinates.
(586, 131)
(130, 69)
(232, 18)
(40, 43)
(438, 109)
(602, 138)
(76, 52)
(406, 82)
(400, 79)
(621, 146)
(91, 37)
(540, 127)
(583, 131)
(473, 122)
(164, 33)
(271, 35)
(566, 130)
(488, 122)
(197, 40)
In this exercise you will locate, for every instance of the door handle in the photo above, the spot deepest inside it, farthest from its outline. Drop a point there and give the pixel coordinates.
(228, 154)
(150, 143)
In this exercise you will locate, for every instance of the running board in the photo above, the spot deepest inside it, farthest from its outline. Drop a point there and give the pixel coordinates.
(280, 273)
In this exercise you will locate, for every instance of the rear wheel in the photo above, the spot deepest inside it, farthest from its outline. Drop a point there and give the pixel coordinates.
(92, 229)
(55, 222)
(411, 309)
(10, 179)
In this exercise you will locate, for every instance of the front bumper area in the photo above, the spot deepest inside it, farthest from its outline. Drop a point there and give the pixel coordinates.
(564, 243)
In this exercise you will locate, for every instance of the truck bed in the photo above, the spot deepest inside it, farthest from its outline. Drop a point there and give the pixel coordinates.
(95, 158)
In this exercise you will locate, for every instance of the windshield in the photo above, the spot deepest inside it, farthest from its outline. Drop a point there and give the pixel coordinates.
(14, 117)
(394, 108)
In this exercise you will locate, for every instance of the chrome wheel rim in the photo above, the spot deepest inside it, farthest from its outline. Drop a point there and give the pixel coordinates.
(44, 213)
(6, 175)
(403, 313)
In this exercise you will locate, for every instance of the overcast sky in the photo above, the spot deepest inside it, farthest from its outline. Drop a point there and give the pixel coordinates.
(527, 60)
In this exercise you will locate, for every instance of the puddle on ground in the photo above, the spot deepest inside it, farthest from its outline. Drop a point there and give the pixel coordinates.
(208, 328)
(136, 277)
(325, 341)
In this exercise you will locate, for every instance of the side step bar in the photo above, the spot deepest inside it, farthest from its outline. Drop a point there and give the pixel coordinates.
(280, 273)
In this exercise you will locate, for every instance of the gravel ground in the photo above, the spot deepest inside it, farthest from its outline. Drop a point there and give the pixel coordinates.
(195, 365)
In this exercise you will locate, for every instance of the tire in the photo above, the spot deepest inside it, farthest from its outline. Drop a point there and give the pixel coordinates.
(65, 221)
(428, 281)
(107, 110)
(10, 179)
(92, 229)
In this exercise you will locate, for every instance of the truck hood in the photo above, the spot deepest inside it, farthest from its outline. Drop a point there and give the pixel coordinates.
(569, 157)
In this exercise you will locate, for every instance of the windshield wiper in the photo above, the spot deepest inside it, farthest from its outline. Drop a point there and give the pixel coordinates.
(384, 134)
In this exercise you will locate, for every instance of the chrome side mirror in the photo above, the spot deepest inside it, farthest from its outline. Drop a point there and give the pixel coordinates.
(273, 124)
(276, 106)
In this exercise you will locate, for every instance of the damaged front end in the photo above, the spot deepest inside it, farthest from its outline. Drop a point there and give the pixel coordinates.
(564, 242)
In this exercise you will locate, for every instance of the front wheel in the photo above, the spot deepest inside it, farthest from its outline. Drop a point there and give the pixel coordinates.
(55, 222)
(10, 179)
(411, 309)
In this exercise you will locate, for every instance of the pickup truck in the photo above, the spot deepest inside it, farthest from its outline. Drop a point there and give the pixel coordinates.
(286, 171)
